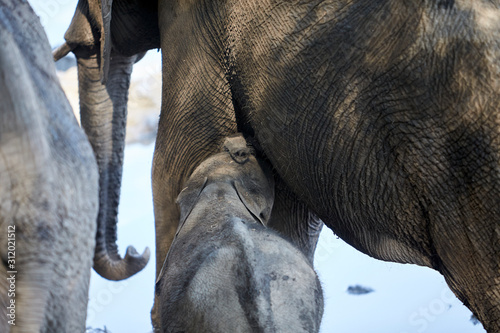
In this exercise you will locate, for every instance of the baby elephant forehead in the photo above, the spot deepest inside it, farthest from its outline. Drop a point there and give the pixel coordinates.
(235, 160)
(222, 166)
(235, 142)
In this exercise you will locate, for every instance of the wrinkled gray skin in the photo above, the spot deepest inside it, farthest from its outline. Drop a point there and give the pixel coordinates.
(104, 70)
(380, 117)
(226, 271)
(48, 182)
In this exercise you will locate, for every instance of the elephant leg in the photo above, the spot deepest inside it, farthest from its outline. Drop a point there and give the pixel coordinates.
(4, 299)
(293, 219)
(478, 292)
(181, 146)
(197, 114)
(471, 268)
(32, 293)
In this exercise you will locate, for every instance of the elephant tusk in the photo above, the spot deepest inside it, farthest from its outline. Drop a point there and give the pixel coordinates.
(61, 51)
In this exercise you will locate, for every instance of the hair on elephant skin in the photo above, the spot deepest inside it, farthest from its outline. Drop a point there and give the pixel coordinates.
(49, 186)
(226, 271)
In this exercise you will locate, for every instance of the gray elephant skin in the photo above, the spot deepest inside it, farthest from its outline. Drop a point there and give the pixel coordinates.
(49, 187)
(379, 117)
(226, 271)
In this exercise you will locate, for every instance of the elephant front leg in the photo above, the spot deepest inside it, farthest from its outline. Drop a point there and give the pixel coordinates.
(4, 299)
(292, 218)
(197, 114)
(185, 138)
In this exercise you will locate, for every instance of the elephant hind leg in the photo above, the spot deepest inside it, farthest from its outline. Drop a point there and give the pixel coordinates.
(481, 294)
(32, 292)
(471, 267)
(4, 299)
(172, 165)
(293, 219)
(47, 301)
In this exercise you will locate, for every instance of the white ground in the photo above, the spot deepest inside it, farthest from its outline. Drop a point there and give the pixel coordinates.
(406, 298)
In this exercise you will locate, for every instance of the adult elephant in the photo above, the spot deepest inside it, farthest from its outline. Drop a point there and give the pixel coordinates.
(49, 187)
(379, 117)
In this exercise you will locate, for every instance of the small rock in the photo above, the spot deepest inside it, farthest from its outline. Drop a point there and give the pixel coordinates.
(359, 290)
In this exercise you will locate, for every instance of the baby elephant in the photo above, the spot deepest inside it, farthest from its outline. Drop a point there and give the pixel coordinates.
(227, 272)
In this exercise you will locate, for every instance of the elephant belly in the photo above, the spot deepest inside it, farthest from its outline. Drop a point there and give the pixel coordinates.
(364, 131)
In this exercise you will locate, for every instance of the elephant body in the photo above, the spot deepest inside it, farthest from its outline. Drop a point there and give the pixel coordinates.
(49, 186)
(227, 272)
(379, 117)
(382, 117)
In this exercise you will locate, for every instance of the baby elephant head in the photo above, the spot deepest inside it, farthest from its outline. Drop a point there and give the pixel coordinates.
(235, 165)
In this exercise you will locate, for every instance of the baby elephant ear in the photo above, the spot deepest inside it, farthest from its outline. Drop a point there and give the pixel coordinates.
(188, 198)
(256, 203)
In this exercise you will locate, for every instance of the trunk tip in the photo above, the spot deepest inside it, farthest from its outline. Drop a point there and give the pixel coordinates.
(121, 269)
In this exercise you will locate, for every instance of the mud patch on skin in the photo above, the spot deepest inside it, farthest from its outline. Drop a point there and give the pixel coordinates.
(44, 232)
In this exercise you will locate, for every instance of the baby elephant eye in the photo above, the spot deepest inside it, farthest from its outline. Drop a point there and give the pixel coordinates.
(241, 154)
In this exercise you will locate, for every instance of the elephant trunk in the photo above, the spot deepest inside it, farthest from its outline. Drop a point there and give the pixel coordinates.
(103, 112)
